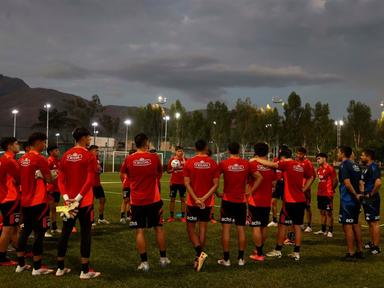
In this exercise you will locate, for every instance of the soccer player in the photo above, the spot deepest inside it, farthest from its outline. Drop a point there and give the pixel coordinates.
(201, 178)
(307, 165)
(233, 205)
(294, 203)
(144, 171)
(76, 178)
(351, 190)
(325, 192)
(10, 200)
(175, 167)
(259, 202)
(125, 208)
(98, 189)
(371, 202)
(34, 173)
(53, 188)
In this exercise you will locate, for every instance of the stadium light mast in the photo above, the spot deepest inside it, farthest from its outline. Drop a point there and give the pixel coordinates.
(161, 101)
(94, 125)
(14, 112)
(339, 124)
(177, 117)
(57, 139)
(127, 123)
(166, 119)
(47, 107)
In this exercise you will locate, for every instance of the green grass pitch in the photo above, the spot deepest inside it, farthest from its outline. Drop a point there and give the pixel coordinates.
(114, 254)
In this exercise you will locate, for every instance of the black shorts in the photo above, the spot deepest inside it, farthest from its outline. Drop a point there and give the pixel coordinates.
(195, 214)
(233, 213)
(126, 193)
(292, 213)
(279, 190)
(349, 213)
(98, 192)
(372, 208)
(36, 216)
(174, 188)
(11, 213)
(258, 216)
(55, 196)
(147, 216)
(325, 203)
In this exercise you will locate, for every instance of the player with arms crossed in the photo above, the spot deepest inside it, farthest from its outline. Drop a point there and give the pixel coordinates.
(201, 178)
(351, 190)
(259, 201)
(10, 197)
(76, 177)
(144, 172)
(371, 202)
(325, 192)
(294, 203)
(175, 167)
(34, 173)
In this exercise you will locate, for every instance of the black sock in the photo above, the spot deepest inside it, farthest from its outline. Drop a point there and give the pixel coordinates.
(278, 247)
(226, 256)
(213, 216)
(241, 254)
(259, 250)
(54, 226)
(323, 227)
(274, 219)
(171, 213)
(2, 256)
(182, 214)
(101, 216)
(198, 250)
(296, 249)
(163, 254)
(330, 229)
(144, 257)
(21, 261)
(85, 267)
(37, 264)
(309, 225)
(60, 264)
(122, 215)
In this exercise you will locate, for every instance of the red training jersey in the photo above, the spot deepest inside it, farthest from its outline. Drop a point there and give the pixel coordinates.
(96, 178)
(294, 175)
(9, 178)
(201, 170)
(33, 191)
(77, 171)
(236, 172)
(262, 197)
(309, 168)
(53, 164)
(177, 176)
(144, 172)
(326, 174)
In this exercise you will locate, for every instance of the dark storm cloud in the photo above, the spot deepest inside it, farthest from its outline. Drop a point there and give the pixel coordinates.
(241, 44)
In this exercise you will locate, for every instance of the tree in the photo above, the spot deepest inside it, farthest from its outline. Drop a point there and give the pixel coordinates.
(292, 112)
(219, 120)
(324, 132)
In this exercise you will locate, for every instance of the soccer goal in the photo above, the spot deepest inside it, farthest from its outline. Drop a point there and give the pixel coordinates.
(119, 156)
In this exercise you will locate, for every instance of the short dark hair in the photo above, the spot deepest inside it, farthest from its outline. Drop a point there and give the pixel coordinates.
(7, 141)
(140, 140)
(36, 136)
(261, 149)
(302, 150)
(93, 147)
(153, 150)
(287, 153)
(346, 150)
(79, 133)
(51, 148)
(201, 145)
(234, 148)
(283, 147)
(178, 147)
(370, 153)
(322, 155)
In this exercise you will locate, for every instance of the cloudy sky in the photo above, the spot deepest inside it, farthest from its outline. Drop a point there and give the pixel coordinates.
(131, 51)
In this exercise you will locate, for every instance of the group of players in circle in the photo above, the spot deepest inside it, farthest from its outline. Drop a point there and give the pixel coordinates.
(29, 187)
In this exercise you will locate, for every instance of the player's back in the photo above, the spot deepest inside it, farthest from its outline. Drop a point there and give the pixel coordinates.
(3, 178)
(349, 170)
(201, 170)
(144, 172)
(263, 195)
(293, 173)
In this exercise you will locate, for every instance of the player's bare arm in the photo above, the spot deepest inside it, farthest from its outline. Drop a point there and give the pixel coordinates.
(308, 183)
(267, 163)
(212, 190)
(258, 180)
